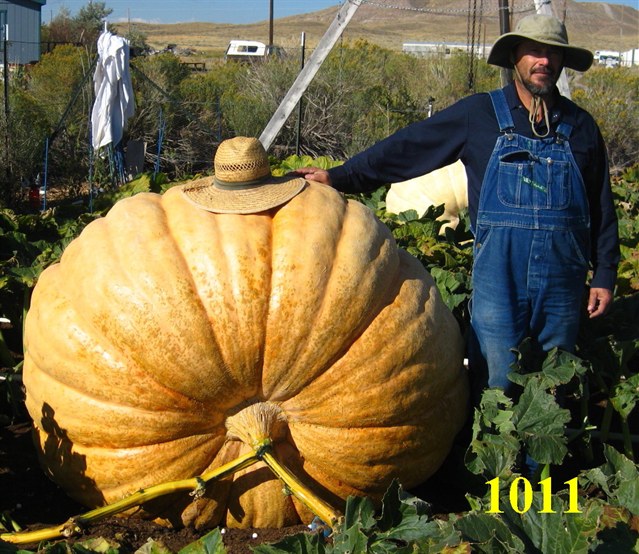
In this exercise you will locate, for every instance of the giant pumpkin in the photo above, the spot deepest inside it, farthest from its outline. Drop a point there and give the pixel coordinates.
(447, 186)
(163, 322)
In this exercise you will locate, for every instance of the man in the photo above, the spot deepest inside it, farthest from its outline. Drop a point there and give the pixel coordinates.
(540, 203)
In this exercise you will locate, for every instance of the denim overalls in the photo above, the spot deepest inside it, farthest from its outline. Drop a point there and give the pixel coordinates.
(531, 246)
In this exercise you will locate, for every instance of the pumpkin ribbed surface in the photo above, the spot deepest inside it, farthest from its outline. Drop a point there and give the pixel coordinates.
(163, 320)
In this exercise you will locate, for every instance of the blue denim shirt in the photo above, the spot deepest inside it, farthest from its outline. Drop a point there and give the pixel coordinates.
(467, 131)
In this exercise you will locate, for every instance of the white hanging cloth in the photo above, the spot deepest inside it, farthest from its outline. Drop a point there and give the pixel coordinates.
(114, 102)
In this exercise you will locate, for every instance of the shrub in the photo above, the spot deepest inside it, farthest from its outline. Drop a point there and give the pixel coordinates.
(611, 95)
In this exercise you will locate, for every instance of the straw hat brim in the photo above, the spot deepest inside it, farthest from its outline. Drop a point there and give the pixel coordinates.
(264, 196)
(500, 55)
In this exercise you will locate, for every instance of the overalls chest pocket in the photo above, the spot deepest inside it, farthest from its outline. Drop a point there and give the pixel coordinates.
(529, 181)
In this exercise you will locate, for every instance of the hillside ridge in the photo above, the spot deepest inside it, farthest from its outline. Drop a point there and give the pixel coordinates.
(390, 23)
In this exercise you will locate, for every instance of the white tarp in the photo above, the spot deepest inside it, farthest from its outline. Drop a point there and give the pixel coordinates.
(114, 102)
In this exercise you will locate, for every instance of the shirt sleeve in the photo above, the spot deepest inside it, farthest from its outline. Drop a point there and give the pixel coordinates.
(603, 220)
(412, 151)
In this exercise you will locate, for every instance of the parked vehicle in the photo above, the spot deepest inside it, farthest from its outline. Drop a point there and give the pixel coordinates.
(608, 58)
(250, 50)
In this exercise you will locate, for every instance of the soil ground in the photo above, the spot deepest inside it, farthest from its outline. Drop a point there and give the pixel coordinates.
(28, 497)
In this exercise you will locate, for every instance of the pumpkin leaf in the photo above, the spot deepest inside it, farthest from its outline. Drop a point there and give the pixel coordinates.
(618, 478)
(556, 532)
(494, 448)
(442, 537)
(540, 423)
(559, 367)
(100, 545)
(489, 534)
(352, 539)
(359, 512)
(402, 527)
(152, 546)
(300, 543)
(403, 516)
(211, 543)
(626, 396)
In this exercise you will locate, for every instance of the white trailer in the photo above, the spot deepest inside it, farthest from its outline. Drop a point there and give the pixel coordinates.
(250, 50)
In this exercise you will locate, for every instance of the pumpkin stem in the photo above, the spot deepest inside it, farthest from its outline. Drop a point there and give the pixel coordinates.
(320, 508)
(256, 424)
(261, 424)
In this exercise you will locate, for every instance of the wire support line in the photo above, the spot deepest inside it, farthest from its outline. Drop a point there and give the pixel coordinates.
(437, 11)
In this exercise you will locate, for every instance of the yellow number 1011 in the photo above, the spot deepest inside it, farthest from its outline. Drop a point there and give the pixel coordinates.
(521, 496)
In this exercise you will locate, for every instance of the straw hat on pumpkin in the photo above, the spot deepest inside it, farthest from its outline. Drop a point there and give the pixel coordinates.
(242, 182)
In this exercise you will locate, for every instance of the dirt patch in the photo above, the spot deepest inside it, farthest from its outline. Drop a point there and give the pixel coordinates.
(33, 501)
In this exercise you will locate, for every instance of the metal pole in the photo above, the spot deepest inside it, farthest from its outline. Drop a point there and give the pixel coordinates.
(299, 104)
(5, 62)
(270, 23)
(46, 174)
(5, 42)
(504, 27)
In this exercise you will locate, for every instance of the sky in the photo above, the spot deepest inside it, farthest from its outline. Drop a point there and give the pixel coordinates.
(216, 11)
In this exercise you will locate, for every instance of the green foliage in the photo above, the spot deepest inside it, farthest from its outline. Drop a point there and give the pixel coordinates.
(611, 95)
(38, 101)
(22, 156)
(137, 41)
(56, 77)
(296, 162)
(211, 543)
(626, 190)
(90, 21)
(404, 524)
(83, 28)
(618, 477)
(447, 256)
(577, 438)
(211, 95)
(361, 94)
(180, 130)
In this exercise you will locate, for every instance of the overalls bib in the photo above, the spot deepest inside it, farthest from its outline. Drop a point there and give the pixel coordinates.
(531, 246)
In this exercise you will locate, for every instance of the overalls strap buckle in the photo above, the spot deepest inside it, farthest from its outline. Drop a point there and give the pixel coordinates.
(502, 112)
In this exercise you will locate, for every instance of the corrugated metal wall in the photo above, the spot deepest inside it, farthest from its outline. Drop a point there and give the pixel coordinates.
(24, 19)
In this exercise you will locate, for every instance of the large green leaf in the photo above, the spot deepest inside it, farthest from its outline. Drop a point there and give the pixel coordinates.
(558, 532)
(489, 534)
(495, 446)
(301, 543)
(540, 422)
(626, 396)
(618, 478)
(211, 543)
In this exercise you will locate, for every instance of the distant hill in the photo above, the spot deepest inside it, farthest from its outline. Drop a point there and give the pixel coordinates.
(593, 25)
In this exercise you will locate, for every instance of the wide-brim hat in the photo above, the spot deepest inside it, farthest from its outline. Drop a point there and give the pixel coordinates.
(540, 28)
(242, 182)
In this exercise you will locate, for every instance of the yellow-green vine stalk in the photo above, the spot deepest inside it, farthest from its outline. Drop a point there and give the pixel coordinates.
(75, 524)
(257, 425)
(261, 424)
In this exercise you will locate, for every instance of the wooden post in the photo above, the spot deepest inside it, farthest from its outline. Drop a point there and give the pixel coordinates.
(562, 83)
(305, 76)
(299, 104)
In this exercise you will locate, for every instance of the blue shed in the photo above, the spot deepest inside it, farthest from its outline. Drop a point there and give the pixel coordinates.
(20, 22)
